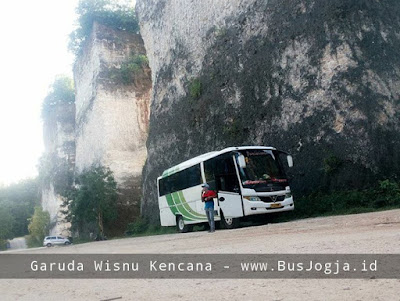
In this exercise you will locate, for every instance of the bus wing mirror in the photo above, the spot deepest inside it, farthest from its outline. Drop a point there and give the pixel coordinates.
(290, 160)
(241, 161)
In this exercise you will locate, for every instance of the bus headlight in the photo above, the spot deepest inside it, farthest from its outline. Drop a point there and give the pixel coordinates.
(288, 192)
(252, 198)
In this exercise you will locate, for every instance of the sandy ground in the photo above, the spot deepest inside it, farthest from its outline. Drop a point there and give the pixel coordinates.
(364, 233)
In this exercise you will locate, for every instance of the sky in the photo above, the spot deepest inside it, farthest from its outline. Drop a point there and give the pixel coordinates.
(33, 50)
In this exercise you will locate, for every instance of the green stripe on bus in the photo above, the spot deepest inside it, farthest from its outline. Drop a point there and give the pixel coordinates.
(171, 204)
(185, 206)
(185, 214)
(177, 208)
(188, 208)
(169, 172)
(178, 205)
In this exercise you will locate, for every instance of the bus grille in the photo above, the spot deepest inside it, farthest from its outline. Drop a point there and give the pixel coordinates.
(272, 199)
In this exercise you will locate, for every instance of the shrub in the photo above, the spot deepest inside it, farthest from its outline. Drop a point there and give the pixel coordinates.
(129, 69)
(116, 14)
(61, 91)
(332, 164)
(195, 88)
(39, 225)
(385, 195)
(388, 194)
(32, 242)
(139, 226)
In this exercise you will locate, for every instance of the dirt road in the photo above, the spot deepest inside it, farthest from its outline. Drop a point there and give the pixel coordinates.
(18, 243)
(364, 233)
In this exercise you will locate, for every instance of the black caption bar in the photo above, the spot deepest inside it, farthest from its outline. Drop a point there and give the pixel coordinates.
(184, 266)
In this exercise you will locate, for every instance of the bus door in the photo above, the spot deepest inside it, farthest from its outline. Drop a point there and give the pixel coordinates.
(229, 197)
(230, 203)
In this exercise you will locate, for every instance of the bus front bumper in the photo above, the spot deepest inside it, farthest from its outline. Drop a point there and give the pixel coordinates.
(260, 207)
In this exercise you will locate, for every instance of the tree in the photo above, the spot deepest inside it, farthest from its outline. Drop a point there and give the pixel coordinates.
(39, 224)
(7, 222)
(19, 200)
(116, 14)
(93, 200)
(61, 91)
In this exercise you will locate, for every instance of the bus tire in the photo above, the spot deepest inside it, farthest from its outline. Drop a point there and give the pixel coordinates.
(229, 223)
(181, 226)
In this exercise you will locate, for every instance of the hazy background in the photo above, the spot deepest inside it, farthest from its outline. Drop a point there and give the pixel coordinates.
(34, 49)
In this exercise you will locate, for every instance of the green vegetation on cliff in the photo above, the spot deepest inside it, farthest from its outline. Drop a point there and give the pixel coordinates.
(115, 14)
(195, 88)
(129, 70)
(62, 91)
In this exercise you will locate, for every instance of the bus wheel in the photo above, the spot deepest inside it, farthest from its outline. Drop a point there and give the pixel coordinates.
(229, 222)
(181, 226)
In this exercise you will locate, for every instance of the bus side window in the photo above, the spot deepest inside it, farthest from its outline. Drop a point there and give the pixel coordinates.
(181, 180)
(194, 176)
(163, 186)
(176, 182)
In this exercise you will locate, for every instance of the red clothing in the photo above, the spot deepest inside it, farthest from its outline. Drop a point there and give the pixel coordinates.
(208, 194)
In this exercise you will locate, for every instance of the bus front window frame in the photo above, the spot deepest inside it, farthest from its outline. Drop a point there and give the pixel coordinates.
(247, 180)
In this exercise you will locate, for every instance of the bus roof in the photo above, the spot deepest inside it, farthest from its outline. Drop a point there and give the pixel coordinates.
(205, 157)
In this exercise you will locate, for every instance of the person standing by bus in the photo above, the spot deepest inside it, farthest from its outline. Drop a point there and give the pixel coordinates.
(207, 196)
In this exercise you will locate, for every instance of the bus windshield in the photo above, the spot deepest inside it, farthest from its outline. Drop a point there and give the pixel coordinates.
(262, 167)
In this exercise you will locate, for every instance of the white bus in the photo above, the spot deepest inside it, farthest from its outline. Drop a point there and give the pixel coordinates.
(249, 180)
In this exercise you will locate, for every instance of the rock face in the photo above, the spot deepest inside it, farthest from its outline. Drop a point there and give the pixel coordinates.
(112, 116)
(59, 142)
(319, 79)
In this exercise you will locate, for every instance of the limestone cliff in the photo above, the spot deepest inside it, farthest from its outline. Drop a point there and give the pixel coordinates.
(319, 79)
(112, 114)
(59, 157)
